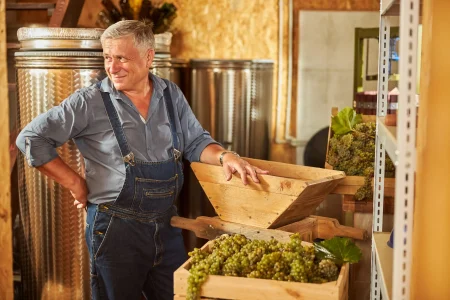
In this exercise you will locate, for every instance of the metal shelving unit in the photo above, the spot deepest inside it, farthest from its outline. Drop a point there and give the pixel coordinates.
(391, 268)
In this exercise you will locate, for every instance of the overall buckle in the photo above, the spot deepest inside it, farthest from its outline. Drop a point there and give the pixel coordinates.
(129, 158)
(176, 154)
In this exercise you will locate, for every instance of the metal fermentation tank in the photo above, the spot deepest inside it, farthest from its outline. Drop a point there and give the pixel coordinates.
(232, 99)
(52, 64)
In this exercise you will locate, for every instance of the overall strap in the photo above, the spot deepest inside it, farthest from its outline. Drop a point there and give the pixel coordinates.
(127, 155)
(171, 111)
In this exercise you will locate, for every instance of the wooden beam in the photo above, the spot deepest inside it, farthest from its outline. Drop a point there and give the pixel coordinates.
(6, 278)
(429, 275)
(29, 6)
(210, 228)
(67, 13)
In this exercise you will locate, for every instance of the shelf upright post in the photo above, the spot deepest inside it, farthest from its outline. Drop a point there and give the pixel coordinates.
(378, 195)
(406, 147)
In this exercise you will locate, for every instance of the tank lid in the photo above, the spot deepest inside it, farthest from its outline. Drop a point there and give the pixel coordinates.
(232, 63)
(43, 38)
(32, 33)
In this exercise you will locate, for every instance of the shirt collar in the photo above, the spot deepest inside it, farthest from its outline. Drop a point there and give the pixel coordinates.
(158, 88)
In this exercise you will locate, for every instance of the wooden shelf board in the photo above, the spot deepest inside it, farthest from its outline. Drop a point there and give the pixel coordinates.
(388, 135)
(385, 259)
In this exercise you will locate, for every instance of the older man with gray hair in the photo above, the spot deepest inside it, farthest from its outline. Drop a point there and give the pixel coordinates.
(132, 129)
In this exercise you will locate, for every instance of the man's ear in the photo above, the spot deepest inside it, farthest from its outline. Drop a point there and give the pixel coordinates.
(150, 57)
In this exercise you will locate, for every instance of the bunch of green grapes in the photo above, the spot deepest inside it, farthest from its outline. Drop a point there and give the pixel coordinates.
(354, 153)
(236, 255)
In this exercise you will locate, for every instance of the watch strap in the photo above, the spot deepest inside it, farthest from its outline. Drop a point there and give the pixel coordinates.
(223, 154)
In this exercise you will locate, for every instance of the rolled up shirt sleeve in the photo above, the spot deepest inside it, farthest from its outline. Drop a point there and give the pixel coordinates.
(195, 137)
(40, 138)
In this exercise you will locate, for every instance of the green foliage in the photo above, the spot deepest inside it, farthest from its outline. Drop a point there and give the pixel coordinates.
(238, 256)
(339, 250)
(354, 153)
(345, 121)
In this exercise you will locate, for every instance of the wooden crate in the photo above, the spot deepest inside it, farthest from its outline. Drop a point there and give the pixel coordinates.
(350, 184)
(240, 288)
(288, 194)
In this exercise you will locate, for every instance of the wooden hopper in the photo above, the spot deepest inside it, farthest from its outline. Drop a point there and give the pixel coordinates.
(288, 194)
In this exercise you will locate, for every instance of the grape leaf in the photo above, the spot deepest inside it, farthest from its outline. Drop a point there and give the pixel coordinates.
(339, 250)
(345, 121)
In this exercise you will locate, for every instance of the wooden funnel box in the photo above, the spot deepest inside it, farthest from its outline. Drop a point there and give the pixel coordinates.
(288, 194)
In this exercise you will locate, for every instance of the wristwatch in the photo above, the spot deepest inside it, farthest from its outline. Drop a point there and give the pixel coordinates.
(223, 154)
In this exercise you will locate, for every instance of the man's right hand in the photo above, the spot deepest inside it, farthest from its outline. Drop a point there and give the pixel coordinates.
(59, 171)
(80, 192)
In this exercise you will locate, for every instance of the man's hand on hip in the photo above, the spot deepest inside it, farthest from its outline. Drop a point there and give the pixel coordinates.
(60, 172)
(80, 192)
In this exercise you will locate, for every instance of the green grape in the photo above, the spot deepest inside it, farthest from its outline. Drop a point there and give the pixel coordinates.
(354, 153)
(328, 270)
(235, 255)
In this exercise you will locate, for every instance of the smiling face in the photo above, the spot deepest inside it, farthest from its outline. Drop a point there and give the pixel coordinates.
(127, 66)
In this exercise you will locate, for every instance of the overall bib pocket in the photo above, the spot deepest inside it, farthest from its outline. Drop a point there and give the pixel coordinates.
(155, 196)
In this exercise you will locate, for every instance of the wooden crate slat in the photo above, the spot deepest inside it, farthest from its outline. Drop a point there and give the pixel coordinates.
(237, 205)
(268, 183)
(308, 201)
(293, 171)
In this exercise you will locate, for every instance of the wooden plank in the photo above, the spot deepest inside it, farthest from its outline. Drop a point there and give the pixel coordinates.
(295, 171)
(268, 183)
(306, 228)
(67, 13)
(13, 45)
(227, 287)
(13, 151)
(385, 260)
(325, 228)
(350, 185)
(245, 206)
(29, 6)
(307, 202)
(431, 222)
(328, 228)
(6, 275)
(210, 228)
(349, 204)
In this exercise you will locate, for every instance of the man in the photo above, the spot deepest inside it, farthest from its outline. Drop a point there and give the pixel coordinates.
(131, 129)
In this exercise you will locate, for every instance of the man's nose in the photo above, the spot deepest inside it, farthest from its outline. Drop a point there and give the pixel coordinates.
(114, 66)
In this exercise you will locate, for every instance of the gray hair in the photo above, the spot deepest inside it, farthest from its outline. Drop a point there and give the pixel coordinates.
(141, 31)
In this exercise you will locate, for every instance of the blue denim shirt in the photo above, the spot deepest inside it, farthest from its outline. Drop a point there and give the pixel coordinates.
(82, 117)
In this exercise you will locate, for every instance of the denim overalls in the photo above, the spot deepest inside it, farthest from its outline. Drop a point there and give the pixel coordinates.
(133, 248)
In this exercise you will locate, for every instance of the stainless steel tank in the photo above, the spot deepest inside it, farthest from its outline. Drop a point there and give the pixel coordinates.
(232, 99)
(51, 64)
(174, 69)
